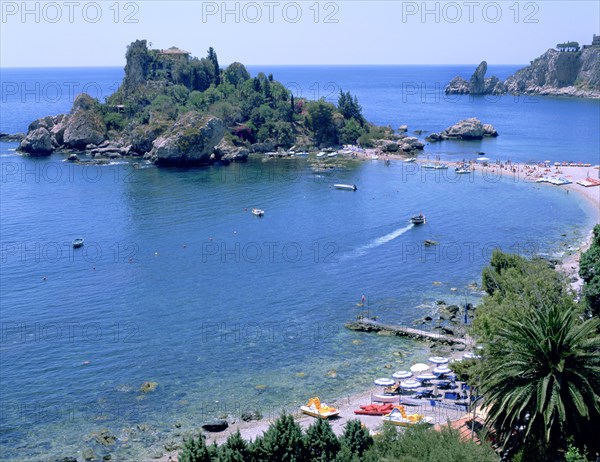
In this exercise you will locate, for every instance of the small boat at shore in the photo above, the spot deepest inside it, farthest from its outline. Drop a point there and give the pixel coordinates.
(428, 165)
(320, 154)
(347, 187)
(418, 219)
(315, 408)
(440, 166)
(398, 416)
(412, 159)
(461, 171)
(375, 409)
(77, 242)
(386, 398)
(332, 154)
(258, 212)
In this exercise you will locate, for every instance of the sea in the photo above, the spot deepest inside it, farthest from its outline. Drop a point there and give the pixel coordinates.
(218, 312)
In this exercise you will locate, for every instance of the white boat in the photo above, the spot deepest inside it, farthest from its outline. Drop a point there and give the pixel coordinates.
(399, 417)
(347, 187)
(385, 398)
(332, 154)
(77, 242)
(321, 154)
(258, 212)
(440, 166)
(412, 159)
(375, 157)
(428, 165)
(418, 219)
(462, 171)
(302, 154)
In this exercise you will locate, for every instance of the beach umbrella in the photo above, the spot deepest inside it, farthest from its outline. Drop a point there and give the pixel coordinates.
(402, 374)
(471, 356)
(442, 370)
(419, 367)
(410, 384)
(427, 376)
(384, 381)
(439, 360)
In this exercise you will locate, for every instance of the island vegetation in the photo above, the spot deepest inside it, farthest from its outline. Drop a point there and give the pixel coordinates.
(174, 108)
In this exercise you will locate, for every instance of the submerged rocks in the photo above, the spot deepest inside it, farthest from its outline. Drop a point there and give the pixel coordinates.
(190, 141)
(147, 387)
(104, 438)
(468, 129)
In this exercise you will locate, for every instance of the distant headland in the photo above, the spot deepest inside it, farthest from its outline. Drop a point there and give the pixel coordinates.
(177, 110)
(568, 70)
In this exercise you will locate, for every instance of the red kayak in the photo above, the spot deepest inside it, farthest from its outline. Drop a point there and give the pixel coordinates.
(375, 409)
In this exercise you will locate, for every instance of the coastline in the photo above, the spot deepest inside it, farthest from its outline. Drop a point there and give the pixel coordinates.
(569, 266)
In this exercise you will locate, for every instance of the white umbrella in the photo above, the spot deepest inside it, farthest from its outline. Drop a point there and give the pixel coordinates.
(410, 384)
(439, 360)
(384, 381)
(426, 377)
(402, 375)
(419, 367)
(442, 370)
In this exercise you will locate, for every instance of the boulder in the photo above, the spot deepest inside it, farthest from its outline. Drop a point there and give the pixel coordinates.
(37, 142)
(226, 151)
(85, 124)
(403, 128)
(215, 425)
(468, 129)
(457, 86)
(248, 416)
(18, 137)
(433, 137)
(73, 158)
(190, 141)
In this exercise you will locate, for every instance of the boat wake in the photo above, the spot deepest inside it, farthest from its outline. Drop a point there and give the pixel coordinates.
(376, 243)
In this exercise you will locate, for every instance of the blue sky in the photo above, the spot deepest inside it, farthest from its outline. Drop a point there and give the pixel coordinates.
(82, 33)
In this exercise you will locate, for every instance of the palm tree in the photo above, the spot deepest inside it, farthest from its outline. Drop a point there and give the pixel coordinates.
(541, 378)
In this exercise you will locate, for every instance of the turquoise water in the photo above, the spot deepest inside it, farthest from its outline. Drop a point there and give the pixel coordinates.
(178, 283)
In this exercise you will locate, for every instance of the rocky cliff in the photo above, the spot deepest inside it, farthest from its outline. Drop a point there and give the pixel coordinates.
(561, 73)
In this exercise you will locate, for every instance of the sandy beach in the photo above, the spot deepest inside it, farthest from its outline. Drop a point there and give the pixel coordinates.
(569, 265)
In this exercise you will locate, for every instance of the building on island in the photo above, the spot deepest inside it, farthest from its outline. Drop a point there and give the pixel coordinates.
(176, 54)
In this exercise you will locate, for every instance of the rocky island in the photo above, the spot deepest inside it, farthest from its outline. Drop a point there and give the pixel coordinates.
(465, 130)
(566, 71)
(177, 110)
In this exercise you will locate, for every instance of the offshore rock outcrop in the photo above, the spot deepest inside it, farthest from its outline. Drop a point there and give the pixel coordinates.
(468, 129)
(478, 84)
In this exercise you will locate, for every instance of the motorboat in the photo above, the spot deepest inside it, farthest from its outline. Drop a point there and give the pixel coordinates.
(412, 159)
(428, 165)
(258, 212)
(418, 219)
(77, 242)
(347, 187)
(440, 166)
(398, 416)
(320, 154)
(315, 408)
